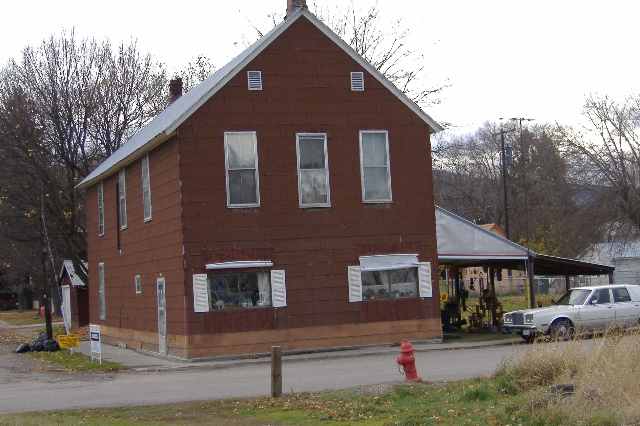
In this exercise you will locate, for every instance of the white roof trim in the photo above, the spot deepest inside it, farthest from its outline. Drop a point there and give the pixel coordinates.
(165, 124)
(239, 264)
(67, 265)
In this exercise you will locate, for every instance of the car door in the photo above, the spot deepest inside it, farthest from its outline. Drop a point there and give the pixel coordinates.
(627, 311)
(599, 312)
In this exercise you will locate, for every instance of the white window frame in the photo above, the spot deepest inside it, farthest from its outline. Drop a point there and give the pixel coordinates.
(102, 300)
(249, 80)
(137, 283)
(256, 170)
(122, 198)
(326, 170)
(146, 181)
(362, 166)
(101, 209)
(354, 89)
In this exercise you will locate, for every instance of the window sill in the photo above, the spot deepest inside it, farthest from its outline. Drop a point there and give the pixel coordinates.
(315, 206)
(377, 201)
(147, 220)
(243, 206)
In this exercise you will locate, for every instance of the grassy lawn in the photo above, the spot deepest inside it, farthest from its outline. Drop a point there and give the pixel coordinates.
(470, 402)
(21, 317)
(74, 362)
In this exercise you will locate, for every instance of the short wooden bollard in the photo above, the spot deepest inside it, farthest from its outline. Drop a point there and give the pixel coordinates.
(276, 371)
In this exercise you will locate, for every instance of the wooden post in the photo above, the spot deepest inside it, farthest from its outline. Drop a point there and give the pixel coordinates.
(567, 282)
(610, 277)
(276, 371)
(492, 292)
(532, 286)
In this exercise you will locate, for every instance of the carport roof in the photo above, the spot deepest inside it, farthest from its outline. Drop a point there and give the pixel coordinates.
(463, 243)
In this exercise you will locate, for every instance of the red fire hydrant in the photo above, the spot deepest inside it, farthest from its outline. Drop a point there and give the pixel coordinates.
(407, 361)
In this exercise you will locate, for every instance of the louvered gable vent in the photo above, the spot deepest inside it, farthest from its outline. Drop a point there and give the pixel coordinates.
(255, 80)
(357, 81)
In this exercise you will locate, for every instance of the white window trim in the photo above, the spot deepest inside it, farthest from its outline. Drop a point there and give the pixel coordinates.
(101, 225)
(257, 170)
(326, 169)
(379, 201)
(239, 264)
(136, 278)
(102, 298)
(145, 160)
(122, 198)
(249, 81)
(353, 89)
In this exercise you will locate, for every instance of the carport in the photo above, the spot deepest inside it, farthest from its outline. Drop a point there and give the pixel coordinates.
(463, 244)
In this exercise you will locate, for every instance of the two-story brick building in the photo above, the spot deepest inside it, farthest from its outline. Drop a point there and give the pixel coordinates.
(285, 200)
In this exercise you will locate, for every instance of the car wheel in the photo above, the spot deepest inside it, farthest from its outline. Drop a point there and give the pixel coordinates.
(562, 329)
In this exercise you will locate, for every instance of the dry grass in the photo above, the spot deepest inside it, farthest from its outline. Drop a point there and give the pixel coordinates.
(605, 373)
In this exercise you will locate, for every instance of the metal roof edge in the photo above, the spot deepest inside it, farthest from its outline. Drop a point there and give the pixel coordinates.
(496, 236)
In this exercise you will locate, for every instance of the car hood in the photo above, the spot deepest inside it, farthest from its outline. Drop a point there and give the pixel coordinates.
(541, 311)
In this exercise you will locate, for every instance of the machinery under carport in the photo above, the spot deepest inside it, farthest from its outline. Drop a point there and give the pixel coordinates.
(463, 244)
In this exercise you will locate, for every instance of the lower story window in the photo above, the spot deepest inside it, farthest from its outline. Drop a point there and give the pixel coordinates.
(390, 284)
(239, 290)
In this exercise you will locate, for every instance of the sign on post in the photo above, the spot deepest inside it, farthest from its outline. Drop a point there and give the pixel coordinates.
(68, 341)
(96, 342)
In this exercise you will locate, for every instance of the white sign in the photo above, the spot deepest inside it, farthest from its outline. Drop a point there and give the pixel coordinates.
(96, 342)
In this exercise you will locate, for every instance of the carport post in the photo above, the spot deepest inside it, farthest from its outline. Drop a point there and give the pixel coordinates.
(532, 287)
(567, 282)
(610, 277)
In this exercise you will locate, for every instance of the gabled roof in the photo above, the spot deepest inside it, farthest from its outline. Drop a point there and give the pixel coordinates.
(67, 266)
(163, 126)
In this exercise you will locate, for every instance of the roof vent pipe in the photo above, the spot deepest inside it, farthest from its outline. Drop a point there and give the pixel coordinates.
(294, 5)
(175, 89)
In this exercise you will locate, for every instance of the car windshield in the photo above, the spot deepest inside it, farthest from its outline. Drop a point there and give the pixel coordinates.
(574, 297)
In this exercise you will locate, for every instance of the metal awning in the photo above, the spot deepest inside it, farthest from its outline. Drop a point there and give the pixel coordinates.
(463, 243)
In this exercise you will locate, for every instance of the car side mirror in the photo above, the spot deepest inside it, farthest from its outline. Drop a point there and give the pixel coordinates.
(593, 301)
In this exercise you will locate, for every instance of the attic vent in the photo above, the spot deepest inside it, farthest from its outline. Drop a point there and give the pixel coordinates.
(255, 80)
(357, 81)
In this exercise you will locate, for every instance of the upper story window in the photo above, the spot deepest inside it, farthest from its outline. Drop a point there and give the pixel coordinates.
(100, 209)
(122, 198)
(375, 169)
(313, 170)
(146, 188)
(357, 81)
(254, 80)
(241, 161)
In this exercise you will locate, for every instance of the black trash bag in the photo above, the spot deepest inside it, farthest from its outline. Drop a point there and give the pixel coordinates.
(23, 348)
(51, 346)
(39, 342)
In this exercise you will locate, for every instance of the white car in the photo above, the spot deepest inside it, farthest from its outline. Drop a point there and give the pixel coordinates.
(582, 308)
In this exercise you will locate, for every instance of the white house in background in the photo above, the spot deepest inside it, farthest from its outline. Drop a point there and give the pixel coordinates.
(625, 257)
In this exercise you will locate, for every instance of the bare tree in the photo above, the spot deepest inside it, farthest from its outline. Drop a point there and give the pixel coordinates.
(548, 211)
(610, 153)
(64, 107)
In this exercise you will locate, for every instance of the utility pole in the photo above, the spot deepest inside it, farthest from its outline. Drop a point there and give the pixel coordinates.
(45, 281)
(503, 158)
(530, 264)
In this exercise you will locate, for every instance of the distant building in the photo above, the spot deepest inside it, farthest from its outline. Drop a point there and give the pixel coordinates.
(625, 257)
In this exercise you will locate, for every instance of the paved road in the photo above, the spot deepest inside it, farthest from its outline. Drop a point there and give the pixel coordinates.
(243, 381)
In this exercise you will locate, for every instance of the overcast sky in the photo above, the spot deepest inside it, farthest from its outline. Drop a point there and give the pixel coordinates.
(537, 59)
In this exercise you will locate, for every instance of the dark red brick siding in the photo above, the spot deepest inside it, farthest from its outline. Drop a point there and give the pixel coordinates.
(149, 249)
(306, 89)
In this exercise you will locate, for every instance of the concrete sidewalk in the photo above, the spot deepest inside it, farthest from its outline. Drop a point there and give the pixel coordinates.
(147, 362)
